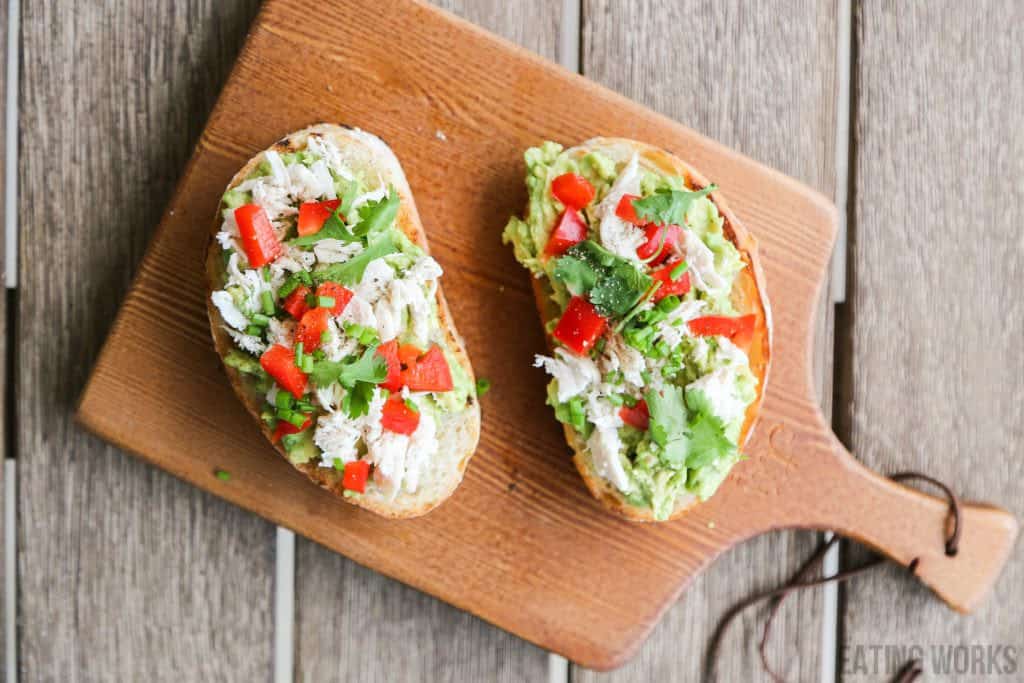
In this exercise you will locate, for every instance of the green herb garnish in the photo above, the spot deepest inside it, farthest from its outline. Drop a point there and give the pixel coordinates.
(668, 207)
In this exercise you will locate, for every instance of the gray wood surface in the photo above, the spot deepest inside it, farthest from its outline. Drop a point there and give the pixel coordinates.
(4, 370)
(125, 573)
(355, 625)
(933, 353)
(763, 83)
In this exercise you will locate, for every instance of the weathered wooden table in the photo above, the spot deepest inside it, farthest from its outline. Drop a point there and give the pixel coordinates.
(910, 114)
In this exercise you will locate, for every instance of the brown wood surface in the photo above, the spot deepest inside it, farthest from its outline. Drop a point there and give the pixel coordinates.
(932, 378)
(346, 616)
(536, 539)
(125, 573)
(793, 48)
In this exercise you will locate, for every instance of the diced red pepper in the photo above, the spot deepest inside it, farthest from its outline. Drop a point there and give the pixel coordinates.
(284, 427)
(429, 372)
(638, 416)
(740, 330)
(356, 473)
(389, 352)
(569, 230)
(573, 190)
(295, 303)
(313, 215)
(279, 362)
(580, 326)
(258, 238)
(665, 237)
(626, 211)
(341, 296)
(678, 287)
(408, 354)
(398, 417)
(313, 324)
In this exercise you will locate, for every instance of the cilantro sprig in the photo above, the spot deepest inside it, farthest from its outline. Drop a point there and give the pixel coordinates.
(613, 284)
(669, 207)
(374, 217)
(686, 429)
(358, 376)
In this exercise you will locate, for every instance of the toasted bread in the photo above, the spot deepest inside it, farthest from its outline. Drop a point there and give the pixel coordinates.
(747, 297)
(458, 432)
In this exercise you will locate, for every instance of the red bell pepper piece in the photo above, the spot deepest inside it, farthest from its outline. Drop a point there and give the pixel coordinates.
(580, 325)
(356, 473)
(626, 211)
(429, 372)
(259, 241)
(389, 352)
(569, 229)
(313, 324)
(408, 354)
(313, 215)
(279, 362)
(398, 417)
(285, 427)
(638, 416)
(295, 303)
(573, 190)
(663, 237)
(678, 287)
(341, 296)
(740, 330)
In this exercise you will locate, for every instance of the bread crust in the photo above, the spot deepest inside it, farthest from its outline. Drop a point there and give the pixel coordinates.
(461, 431)
(747, 296)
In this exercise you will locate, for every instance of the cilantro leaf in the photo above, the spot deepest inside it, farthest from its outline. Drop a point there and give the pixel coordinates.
(613, 284)
(356, 401)
(351, 272)
(346, 195)
(334, 228)
(668, 422)
(377, 215)
(370, 368)
(707, 442)
(668, 207)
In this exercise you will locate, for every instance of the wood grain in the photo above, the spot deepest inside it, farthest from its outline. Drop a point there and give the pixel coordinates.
(5, 372)
(125, 573)
(566, 571)
(347, 615)
(763, 83)
(933, 354)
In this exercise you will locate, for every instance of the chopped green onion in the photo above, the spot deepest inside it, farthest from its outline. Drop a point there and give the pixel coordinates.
(260, 320)
(283, 400)
(265, 271)
(303, 406)
(297, 419)
(285, 414)
(254, 330)
(325, 301)
(325, 337)
(615, 399)
(411, 406)
(307, 364)
(678, 271)
(223, 475)
(613, 377)
(319, 355)
(483, 385)
(298, 354)
(669, 303)
(339, 465)
(267, 299)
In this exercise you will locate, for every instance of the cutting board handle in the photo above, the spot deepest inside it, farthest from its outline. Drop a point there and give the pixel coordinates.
(837, 492)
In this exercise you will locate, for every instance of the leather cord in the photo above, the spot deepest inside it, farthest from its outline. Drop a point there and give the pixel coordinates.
(801, 580)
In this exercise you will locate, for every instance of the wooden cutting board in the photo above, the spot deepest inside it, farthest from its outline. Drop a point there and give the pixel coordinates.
(521, 543)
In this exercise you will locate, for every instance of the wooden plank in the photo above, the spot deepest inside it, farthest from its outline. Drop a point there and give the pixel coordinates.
(346, 615)
(4, 370)
(125, 573)
(933, 355)
(762, 83)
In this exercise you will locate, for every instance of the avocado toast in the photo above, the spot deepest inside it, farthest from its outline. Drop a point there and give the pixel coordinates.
(651, 294)
(327, 312)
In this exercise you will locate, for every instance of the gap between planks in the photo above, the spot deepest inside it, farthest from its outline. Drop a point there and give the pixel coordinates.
(569, 38)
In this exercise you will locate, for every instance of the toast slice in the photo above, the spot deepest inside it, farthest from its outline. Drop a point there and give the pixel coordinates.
(746, 297)
(457, 430)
